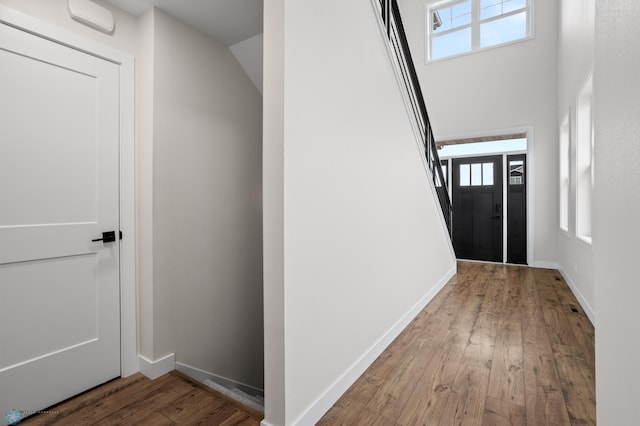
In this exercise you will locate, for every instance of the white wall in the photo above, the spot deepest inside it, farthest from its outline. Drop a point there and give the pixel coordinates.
(207, 231)
(616, 230)
(575, 60)
(358, 241)
(506, 87)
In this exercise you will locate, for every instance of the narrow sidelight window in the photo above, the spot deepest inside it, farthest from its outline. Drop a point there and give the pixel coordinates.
(584, 160)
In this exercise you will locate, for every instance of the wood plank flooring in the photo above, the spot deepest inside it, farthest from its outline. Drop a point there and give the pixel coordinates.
(173, 399)
(499, 345)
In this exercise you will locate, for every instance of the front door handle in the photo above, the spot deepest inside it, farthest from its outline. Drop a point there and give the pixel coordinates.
(107, 237)
(498, 215)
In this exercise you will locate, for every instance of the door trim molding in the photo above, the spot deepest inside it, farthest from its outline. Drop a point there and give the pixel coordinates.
(125, 62)
(530, 184)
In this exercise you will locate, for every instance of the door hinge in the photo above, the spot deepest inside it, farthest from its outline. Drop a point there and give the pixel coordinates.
(120, 234)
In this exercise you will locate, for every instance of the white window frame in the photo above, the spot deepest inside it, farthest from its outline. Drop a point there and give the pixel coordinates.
(475, 27)
(584, 160)
(564, 159)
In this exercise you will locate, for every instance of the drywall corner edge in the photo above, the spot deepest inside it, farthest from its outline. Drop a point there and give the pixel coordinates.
(158, 367)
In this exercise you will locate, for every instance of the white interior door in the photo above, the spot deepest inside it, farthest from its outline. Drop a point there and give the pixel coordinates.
(59, 290)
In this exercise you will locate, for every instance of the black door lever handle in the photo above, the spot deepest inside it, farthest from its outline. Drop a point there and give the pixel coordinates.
(107, 237)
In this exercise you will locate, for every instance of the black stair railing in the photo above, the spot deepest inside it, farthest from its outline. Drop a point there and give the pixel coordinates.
(394, 31)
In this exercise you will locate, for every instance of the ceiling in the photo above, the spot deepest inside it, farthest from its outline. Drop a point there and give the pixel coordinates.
(228, 21)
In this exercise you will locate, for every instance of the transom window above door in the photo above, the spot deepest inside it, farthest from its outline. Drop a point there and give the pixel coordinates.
(458, 27)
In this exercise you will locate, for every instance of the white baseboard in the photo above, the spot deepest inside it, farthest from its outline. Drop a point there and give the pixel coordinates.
(202, 375)
(157, 368)
(579, 297)
(323, 403)
(545, 265)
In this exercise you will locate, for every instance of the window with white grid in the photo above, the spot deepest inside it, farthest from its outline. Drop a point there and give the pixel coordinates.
(458, 27)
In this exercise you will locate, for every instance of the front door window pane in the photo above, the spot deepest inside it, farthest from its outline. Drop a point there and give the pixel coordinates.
(516, 172)
(487, 174)
(476, 174)
(464, 175)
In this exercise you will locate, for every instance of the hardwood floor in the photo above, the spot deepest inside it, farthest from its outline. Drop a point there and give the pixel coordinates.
(499, 345)
(173, 399)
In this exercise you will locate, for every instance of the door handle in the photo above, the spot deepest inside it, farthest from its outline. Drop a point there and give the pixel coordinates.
(107, 237)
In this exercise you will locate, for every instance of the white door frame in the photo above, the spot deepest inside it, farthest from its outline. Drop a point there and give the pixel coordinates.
(128, 336)
(529, 181)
